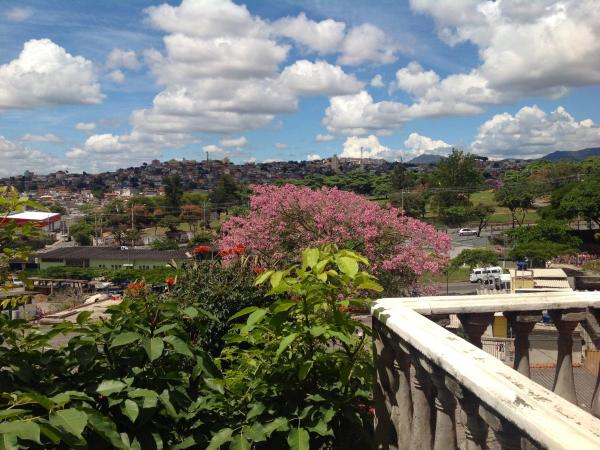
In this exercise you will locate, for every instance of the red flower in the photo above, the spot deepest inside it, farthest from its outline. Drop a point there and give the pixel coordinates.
(239, 249)
(202, 249)
(135, 286)
(224, 253)
(258, 270)
(170, 281)
(372, 411)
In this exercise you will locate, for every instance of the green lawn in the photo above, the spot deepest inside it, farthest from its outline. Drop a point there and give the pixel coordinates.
(461, 274)
(501, 215)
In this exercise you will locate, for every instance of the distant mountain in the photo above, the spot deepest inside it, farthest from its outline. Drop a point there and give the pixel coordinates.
(576, 155)
(426, 159)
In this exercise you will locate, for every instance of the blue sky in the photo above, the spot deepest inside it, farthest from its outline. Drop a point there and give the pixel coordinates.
(99, 85)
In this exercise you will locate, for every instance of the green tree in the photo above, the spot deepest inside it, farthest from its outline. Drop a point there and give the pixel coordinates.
(82, 232)
(401, 178)
(474, 258)
(164, 244)
(482, 213)
(454, 178)
(226, 192)
(170, 222)
(456, 216)
(173, 193)
(518, 196)
(582, 199)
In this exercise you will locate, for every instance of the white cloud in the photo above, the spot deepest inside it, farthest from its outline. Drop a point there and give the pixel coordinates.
(85, 126)
(213, 149)
(367, 43)
(313, 157)
(280, 145)
(119, 58)
(117, 76)
(323, 37)
(526, 49)
(359, 114)
(324, 137)
(319, 78)
(18, 14)
(366, 147)
(234, 142)
(417, 144)
(44, 74)
(532, 133)
(377, 81)
(415, 80)
(18, 158)
(48, 137)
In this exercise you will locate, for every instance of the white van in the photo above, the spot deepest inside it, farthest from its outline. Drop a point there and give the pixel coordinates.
(481, 274)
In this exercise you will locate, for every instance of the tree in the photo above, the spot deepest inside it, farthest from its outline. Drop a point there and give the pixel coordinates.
(191, 214)
(284, 220)
(164, 244)
(169, 221)
(518, 197)
(414, 203)
(583, 199)
(455, 177)
(82, 232)
(474, 258)
(482, 214)
(456, 216)
(226, 192)
(401, 178)
(173, 192)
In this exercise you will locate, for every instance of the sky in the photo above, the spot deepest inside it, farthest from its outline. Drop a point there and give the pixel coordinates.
(95, 86)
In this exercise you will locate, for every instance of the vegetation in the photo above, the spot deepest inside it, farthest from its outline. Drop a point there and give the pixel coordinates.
(475, 257)
(164, 244)
(151, 276)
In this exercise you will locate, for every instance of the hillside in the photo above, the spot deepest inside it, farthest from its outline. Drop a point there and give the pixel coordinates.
(577, 155)
(426, 159)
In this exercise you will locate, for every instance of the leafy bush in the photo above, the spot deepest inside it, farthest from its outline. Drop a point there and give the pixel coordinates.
(152, 276)
(222, 291)
(295, 374)
(165, 244)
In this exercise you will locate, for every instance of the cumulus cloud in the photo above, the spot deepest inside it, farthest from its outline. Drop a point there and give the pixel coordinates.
(313, 157)
(45, 74)
(319, 78)
(48, 137)
(377, 81)
(116, 76)
(417, 144)
(15, 155)
(366, 147)
(532, 133)
(367, 43)
(322, 37)
(526, 49)
(234, 142)
(85, 126)
(324, 137)
(119, 58)
(18, 14)
(280, 145)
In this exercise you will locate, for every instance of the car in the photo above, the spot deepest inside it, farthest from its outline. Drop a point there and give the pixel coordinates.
(485, 274)
(467, 232)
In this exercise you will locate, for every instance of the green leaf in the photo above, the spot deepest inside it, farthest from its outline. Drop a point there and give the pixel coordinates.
(83, 317)
(124, 338)
(263, 277)
(256, 317)
(239, 442)
(215, 384)
(71, 420)
(186, 443)
(304, 369)
(279, 424)
(191, 312)
(243, 312)
(298, 439)
(317, 330)
(347, 265)
(130, 409)
(371, 285)
(220, 438)
(285, 343)
(310, 257)
(205, 364)
(322, 429)
(276, 279)
(8, 442)
(22, 429)
(149, 397)
(106, 429)
(154, 347)
(178, 345)
(108, 387)
(165, 328)
(256, 410)
(6, 413)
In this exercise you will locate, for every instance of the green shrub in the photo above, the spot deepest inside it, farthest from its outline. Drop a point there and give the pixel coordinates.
(165, 244)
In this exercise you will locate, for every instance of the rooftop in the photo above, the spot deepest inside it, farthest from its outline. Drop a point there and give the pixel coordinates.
(115, 253)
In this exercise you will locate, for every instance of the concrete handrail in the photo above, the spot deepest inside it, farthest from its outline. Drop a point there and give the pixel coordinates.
(544, 417)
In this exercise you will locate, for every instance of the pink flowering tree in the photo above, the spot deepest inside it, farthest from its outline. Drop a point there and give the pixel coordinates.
(284, 220)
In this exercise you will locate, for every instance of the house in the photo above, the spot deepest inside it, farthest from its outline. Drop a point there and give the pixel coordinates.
(539, 280)
(47, 221)
(111, 257)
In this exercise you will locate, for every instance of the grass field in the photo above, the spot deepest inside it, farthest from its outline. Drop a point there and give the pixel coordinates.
(502, 215)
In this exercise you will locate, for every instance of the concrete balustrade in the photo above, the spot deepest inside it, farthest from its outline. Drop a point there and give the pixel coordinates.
(431, 378)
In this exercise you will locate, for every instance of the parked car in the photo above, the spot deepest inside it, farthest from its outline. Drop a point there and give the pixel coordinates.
(467, 232)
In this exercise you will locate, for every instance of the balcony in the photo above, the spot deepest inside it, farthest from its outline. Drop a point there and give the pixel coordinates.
(436, 390)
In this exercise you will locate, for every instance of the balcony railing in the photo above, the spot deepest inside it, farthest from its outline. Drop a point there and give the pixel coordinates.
(436, 390)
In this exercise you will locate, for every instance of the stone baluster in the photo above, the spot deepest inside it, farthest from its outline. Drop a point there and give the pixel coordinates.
(475, 325)
(421, 434)
(595, 407)
(507, 434)
(475, 428)
(401, 415)
(445, 419)
(565, 321)
(384, 360)
(522, 324)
